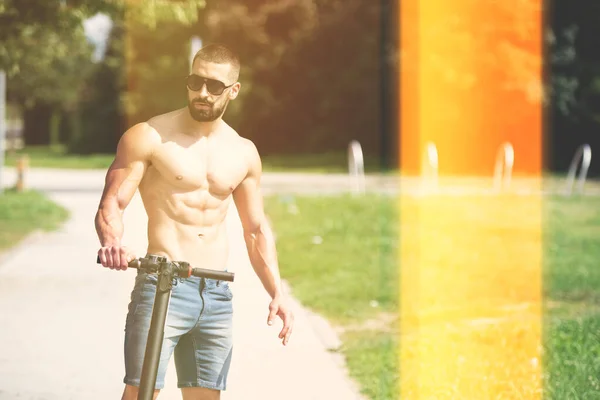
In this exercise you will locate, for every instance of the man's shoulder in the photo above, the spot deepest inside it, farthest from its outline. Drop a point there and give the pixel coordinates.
(251, 155)
(154, 128)
(142, 131)
(244, 151)
(239, 142)
(244, 144)
(163, 121)
(249, 150)
(248, 145)
(140, 139)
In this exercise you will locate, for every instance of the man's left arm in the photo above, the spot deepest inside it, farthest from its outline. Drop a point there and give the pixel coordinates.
(260, 242)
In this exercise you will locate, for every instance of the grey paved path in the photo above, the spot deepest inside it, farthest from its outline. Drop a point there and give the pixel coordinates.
(62, 316)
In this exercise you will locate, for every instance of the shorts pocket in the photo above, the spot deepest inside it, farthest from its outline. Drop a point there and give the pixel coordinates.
(221, 292)
(224, 290)
(135, 300)
(150, 281)
(143, 294)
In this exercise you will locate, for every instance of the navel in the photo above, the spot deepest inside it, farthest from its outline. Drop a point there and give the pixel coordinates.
(179, 177)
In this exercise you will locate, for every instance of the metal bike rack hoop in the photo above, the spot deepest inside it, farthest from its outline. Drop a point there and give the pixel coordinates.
(583, 154)
(356, 167)
(505, 159)
(431, 164)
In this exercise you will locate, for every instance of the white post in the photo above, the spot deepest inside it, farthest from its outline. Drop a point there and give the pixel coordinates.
(195, 45)
(584, 153)
(431, 165)
(505, 160)
(356, 167)
(2, 124)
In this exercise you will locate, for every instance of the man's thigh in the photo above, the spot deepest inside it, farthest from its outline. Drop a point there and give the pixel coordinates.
(199, 393)
(203, 355)
(181, 317)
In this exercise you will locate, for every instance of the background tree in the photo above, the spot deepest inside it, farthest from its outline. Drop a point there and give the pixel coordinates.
(573, 75)
(52, 69)
(314, 77)
(48, 60)
(148, 53)
(46, 57)
(23, 22)
(313, 71)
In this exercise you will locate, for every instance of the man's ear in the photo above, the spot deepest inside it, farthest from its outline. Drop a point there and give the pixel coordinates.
(235, 89)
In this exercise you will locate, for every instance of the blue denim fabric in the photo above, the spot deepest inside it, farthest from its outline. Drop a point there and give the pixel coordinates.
(198, 330)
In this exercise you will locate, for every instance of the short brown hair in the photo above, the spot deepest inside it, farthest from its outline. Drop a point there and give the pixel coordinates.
(217, 53)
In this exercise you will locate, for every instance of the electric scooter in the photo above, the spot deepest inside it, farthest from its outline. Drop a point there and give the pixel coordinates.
(166, 271)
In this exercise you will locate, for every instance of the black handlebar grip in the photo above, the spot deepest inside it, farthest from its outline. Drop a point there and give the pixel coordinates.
(212, 274)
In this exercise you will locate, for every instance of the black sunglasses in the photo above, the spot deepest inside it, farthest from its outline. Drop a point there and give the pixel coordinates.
(214, 87)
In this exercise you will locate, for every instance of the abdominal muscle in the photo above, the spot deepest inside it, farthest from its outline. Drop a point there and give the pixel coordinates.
(182, 227)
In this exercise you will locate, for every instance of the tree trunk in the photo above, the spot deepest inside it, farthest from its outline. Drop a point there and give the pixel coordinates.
(36, 125)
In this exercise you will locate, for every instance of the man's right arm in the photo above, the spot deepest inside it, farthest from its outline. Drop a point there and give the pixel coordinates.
(122, 180)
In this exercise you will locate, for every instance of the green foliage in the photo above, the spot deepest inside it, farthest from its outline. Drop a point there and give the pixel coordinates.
(46, 56)
(52, 68)
(24, 22)
(327, 103)
(152, 13)
(574, 65)
(147, 54)
(311, 72)
(48, 59)
(100, 118)
(157, 63)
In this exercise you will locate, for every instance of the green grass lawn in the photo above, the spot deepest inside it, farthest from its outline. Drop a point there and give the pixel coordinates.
(22, 213)
(322, 163)
(572, 298)
(340, 255)
(57, 157)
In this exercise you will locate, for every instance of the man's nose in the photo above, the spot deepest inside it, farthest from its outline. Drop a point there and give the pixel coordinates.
(204, 91)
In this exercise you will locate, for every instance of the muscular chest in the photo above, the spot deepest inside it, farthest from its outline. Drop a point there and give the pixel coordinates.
(201, 166)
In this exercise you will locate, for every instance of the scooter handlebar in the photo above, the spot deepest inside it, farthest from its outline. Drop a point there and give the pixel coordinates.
(186, 271)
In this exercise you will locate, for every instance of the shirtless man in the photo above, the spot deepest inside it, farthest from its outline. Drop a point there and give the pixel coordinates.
(188, 164)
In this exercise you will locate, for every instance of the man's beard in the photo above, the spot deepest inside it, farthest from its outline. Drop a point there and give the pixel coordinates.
(208, 114)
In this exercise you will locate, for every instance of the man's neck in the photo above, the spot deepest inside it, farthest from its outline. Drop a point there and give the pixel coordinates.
(201, 129)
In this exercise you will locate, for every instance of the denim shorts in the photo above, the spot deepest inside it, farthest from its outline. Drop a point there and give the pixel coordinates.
(198, 330)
